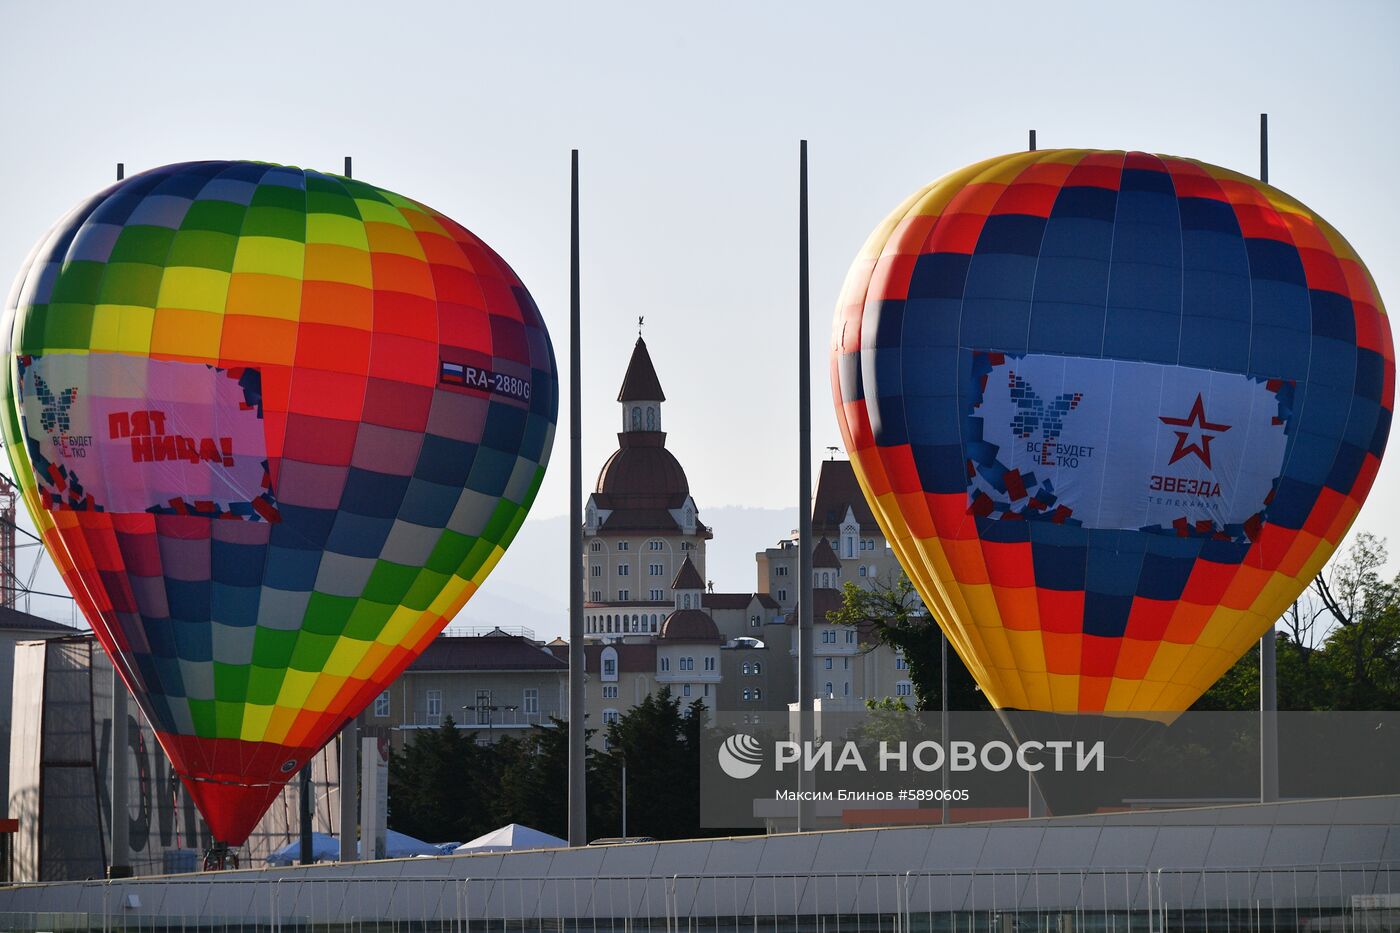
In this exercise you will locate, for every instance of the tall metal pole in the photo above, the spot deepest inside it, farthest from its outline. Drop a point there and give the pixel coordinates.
(806, 668)
(118, 866)
(1032, 143)
(624, 798)
(350, 761)
(578, 791)
(308, 853)
(943, 725)
(1268, 661)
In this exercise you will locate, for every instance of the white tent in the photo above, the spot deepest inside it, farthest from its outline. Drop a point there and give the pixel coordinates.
(512, 838)
(401, 845)
(323, 849)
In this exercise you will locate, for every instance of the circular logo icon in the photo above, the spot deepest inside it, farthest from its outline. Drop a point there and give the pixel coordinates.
(740, 756)
(289, 766)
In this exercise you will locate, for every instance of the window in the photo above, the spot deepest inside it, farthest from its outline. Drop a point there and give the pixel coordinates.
(655, 545)
(709, 664)
(381, 705)
(610, 667)
(757, 693)
(748, 694)
(624, 595)
(596, 570)
(622, 545)
(655, 595)
(755, 621)
(596, 546)
(483, 707)
(687, 664)
(665, 664)
(434, 707)
(851, 637)
(900, 664)
(597, 596)
(846, 688)
(686, 599)
(530, 704)
(685, 690)
(903, 689)
(687, 546)
(623, 570)
(781, 570)
(636, 416)
(651, 418)
(828, 637)
(845, 664)
(862, 544)
(862, 570)
(654, 569)
(758, 667)
(782, 596)
(828, 663)
(829, 691)
(610, 716)
(610, 692)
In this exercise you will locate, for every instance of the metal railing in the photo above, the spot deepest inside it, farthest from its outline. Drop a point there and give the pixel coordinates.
(1342, 898)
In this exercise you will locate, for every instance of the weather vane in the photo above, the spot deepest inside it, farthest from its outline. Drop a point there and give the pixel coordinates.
(640, 321)
(832, 451)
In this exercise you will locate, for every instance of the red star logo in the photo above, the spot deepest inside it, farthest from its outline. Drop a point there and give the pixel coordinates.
(1197, 417)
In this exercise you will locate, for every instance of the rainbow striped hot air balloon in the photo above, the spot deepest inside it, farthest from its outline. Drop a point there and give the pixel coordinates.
(275, 427)
(1114, 411)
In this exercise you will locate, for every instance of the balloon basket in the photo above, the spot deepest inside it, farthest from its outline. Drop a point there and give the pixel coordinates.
(220, 857)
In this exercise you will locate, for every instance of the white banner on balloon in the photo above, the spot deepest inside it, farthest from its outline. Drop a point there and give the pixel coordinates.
(119, 433)
(1123, 445)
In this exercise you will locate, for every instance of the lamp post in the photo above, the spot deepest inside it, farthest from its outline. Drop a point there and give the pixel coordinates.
(488, 707)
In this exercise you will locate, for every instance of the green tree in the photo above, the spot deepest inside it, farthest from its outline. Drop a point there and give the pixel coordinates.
(660, 744)
(892, 613)
(535, 779)
(441, 786)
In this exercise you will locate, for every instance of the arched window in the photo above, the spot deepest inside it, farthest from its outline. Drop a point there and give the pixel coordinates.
(651, 418)
(862, 570)
(757, 693)
(686, 600)
(758, 667)
(636, 416)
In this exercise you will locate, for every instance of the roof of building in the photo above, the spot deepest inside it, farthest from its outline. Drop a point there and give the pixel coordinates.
(630, 657)
(641, 384)
(768, 602)
(659, 520)
(688, 578)
(824, 556)
(689, 625)
(642, 474)
(823, 601)
(14, 620)
(727, 600)
(624, 605)
(837, 491)
(490, 652)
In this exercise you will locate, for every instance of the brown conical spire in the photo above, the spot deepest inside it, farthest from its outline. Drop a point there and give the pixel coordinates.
(640, 384)
(688, 578)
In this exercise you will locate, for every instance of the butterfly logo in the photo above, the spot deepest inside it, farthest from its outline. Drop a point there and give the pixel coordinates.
(55, 417)
(1033, 413)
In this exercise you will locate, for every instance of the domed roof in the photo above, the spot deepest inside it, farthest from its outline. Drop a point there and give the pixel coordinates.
(689, 625)
(642, 474)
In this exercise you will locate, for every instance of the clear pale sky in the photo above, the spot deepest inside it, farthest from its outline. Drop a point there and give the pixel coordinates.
(688, 120)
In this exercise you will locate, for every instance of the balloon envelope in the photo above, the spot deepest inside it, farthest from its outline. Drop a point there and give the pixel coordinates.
(275, 427)
(1113, 411)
